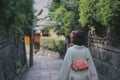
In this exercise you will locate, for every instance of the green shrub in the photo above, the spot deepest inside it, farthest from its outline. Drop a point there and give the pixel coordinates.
(53, 44)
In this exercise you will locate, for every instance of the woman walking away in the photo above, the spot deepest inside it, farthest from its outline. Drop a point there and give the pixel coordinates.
(78, 63)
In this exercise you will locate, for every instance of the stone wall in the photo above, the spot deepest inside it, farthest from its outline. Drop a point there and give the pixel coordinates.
(106, 57)
(11, 57)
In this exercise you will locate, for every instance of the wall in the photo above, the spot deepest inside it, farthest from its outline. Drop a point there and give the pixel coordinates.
(106, 57)
(12, 57)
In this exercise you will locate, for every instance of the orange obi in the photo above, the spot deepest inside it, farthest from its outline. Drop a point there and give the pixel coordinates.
(79, 65)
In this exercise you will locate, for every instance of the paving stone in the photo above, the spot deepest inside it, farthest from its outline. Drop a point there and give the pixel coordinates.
(32, 78)
(44, 68)
(53, 76)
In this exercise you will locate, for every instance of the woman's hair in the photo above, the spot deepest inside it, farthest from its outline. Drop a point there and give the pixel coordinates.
(79, 38)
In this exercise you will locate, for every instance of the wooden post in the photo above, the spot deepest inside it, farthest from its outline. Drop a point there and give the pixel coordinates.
(31, 49)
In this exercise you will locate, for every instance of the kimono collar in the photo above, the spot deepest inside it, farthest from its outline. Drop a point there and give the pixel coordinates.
(77, 46)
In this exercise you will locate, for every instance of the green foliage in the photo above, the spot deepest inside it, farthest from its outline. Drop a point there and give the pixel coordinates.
(87, 9)
(108, 12)
(103, 13)
(59, 15)
(70, 5)
(46, 30)
(54, 6)
(52, 44)
(76, 14)
(60, 12)
(57, 1)
(66, 17)
(16, 15)
(51, 15)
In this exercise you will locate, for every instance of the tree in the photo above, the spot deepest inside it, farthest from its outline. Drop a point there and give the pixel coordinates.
(87, 12)
(66, 17)
(101, 14)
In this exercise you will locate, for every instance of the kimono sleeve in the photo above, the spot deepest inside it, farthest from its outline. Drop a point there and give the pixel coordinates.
(91, 66)
(65, 69)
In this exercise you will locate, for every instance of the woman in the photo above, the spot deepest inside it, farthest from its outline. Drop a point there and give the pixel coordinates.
(78, 63)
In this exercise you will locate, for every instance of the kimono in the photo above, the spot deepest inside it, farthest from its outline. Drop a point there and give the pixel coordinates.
(75, 53)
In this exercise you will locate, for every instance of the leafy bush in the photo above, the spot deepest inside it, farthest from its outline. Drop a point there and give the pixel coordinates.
(16, 15)
(52, 44)
(46, 31)
(54, 6)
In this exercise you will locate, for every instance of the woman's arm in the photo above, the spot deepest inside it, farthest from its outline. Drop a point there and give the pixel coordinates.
(65, 69)
(92, 68)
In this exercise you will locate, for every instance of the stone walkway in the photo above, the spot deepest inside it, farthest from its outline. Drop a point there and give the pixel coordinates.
(46, 66)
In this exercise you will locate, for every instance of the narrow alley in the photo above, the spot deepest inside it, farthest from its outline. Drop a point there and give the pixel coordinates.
(35, 36)
(45, 67)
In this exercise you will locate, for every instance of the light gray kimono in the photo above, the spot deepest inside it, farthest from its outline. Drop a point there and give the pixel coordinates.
(75, 53)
